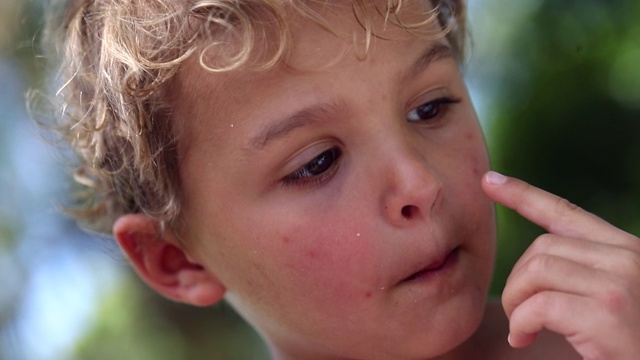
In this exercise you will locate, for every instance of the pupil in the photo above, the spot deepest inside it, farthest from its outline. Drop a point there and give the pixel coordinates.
(322, 162)
(427, 111)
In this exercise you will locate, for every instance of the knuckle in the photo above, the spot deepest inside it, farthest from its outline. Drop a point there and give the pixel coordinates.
(629, 263)
(623, 263)
(538, 264)
(564, 212)
(615, 298)
(629, 259)
(543, 243)
(564, 207)
(634, 244)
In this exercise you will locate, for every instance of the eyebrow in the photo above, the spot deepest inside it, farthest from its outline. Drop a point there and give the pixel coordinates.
(310, 115)
(304, 117)
(432, 53)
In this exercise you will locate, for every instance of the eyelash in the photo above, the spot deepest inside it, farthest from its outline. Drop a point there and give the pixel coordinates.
(322, 167)
(316, 171)
(435, 106)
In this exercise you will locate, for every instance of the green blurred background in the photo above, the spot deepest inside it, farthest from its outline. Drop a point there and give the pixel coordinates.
(557, 85)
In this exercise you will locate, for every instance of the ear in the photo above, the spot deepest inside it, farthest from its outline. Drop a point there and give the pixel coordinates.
(163, 264)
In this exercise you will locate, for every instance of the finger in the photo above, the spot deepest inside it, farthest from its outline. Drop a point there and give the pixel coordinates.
(592, 333)
(553, 213)
(551, 273)
(589, 253)
(558, 312)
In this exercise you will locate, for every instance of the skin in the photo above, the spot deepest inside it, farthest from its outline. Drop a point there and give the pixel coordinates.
(318, 264)
(318, 227)
(602, 261)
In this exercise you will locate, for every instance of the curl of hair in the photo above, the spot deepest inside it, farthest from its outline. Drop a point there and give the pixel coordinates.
(117, 59)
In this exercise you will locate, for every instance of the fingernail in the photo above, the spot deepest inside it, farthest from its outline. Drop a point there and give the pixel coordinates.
(509, 339)
(495, 178)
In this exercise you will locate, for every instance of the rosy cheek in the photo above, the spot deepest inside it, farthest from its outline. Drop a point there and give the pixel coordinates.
(476, 156)
(474, 164)
(328, 262)
(469, 136)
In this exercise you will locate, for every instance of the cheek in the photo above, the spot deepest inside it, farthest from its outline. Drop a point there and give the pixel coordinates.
(476, 155)
(315, 259)
(314, 262)
(474, 163)
(328, 259)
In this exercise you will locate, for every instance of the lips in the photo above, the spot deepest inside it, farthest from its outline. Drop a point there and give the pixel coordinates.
(437, 266)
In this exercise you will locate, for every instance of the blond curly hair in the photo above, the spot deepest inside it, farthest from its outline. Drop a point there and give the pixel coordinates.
(117, 60)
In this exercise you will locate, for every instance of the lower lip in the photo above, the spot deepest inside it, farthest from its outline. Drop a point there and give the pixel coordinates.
(441, 270)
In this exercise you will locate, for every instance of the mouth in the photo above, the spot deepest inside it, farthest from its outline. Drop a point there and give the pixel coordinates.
(439, 266)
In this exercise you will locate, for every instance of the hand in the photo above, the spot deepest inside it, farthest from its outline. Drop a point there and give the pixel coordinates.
(581, 279)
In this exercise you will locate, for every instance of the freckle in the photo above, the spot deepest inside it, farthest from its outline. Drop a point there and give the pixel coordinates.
(475, 171)
(286, 240)
(469, 136)
(368, 294)
(312, 254)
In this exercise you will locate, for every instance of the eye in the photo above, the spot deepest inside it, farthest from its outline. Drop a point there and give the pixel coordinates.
(431, 110)
(316, 171)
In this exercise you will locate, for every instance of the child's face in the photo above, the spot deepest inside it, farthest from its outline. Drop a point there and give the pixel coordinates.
(341, 206)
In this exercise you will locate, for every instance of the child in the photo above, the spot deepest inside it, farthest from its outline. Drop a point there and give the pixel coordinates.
(319, 165)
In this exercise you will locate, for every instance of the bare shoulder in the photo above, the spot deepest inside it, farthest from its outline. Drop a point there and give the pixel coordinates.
(491, 338)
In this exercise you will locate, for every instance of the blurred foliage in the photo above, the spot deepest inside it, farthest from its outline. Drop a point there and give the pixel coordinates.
(568, 115)
(18, 23)
(135, 323)
(567, 118)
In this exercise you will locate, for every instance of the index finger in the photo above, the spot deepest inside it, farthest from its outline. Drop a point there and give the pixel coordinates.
(553, 213)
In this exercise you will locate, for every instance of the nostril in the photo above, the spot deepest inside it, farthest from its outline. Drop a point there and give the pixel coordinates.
(408, 211)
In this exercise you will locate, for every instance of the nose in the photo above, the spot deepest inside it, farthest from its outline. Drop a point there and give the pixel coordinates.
(411, 189)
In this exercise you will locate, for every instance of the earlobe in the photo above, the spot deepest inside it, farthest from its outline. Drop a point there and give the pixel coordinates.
(163, 264)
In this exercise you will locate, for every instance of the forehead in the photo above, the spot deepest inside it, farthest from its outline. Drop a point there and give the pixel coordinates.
(341, 34)
(259, 33)
(359, 28)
